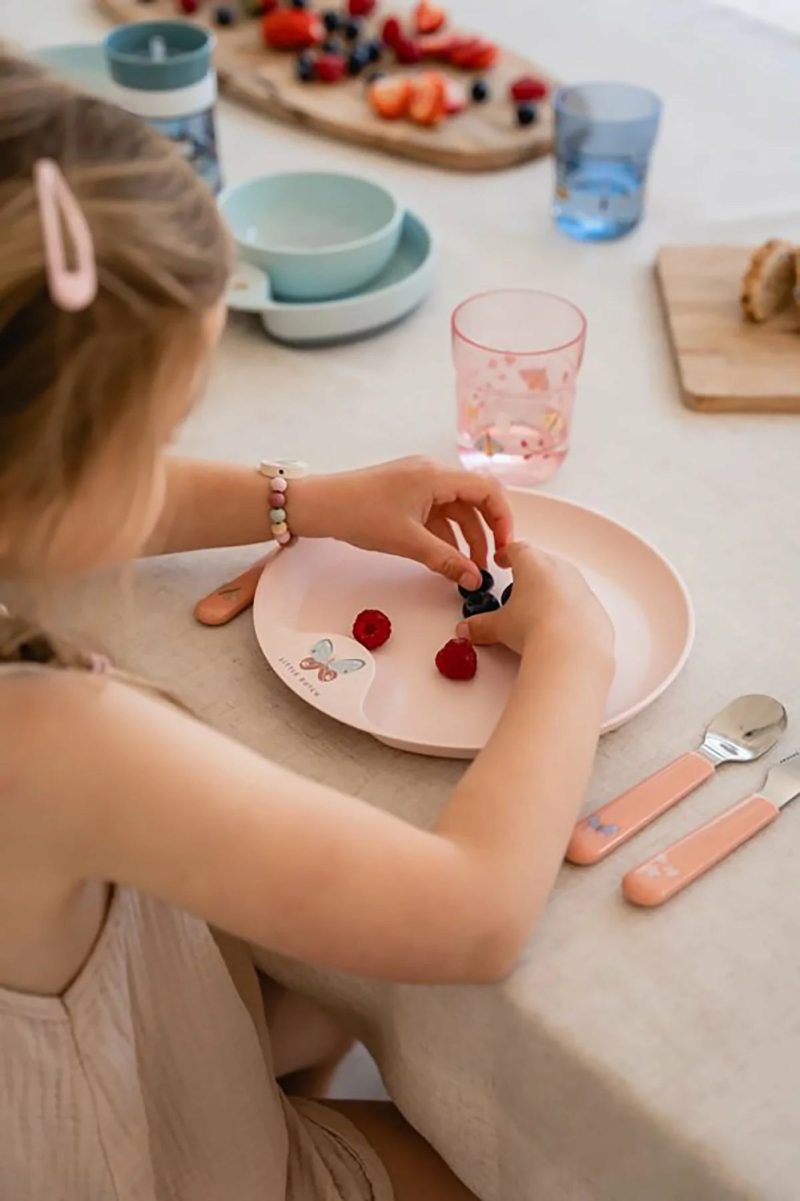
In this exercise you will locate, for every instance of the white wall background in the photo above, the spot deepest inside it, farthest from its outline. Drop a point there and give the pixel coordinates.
(785, 14)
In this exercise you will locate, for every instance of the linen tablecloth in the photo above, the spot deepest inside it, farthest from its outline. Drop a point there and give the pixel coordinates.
(633, 1056)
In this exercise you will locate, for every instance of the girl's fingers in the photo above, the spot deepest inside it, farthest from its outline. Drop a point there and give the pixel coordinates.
(438, 524)
(481, 630)
(509, 556)
(472, 528)
(484, 493)
(441, 555)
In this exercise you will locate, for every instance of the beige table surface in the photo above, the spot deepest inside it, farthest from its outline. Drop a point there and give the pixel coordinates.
(633, 1056)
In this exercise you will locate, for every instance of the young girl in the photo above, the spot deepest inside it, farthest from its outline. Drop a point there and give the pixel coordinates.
(136, 1060)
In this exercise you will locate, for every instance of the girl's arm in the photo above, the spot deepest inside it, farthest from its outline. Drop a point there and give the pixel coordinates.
(132, 790)
(211, 504)
(407, 508)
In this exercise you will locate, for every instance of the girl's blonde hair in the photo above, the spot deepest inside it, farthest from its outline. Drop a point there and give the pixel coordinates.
(71, 382)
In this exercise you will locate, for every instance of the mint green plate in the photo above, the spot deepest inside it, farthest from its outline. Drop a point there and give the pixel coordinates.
(83, 64)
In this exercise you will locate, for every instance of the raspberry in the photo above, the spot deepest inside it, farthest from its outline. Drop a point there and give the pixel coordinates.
(407, 51)
(528, 88)
(372, 628)
(457, 659)
(392, 31)
(330, 68)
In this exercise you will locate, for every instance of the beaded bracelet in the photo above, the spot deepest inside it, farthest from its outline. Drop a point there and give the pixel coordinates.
(280, 473)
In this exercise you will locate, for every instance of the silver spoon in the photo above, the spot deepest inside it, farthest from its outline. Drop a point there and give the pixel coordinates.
(744, 730)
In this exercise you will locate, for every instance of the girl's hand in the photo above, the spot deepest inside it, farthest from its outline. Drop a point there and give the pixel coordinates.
(551, 601)
(410, 508)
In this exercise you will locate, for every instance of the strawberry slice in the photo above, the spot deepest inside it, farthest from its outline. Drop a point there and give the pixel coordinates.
(437, 46)
(428, 97)
(474, 54)
(528, 87)
(390, 97)
(455, 97)
(292, 29)
(428, 17)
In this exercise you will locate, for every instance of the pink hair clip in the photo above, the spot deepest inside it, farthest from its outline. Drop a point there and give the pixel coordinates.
(71, 288)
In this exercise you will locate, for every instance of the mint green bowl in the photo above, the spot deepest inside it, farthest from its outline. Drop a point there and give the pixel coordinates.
(318, 235)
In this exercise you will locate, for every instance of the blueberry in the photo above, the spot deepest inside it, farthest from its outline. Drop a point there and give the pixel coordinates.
(357, 61)
(374, 49)
(224, 15)
(304, 68)
(352, 29)
(486, 585)
(506, 597)
(299, 3)
(527, 114)
(331, 46)
(480, 91)
(330, 20)
(480, 602)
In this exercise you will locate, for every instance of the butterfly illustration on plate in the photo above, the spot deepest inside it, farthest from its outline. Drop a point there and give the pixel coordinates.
(596, 824)
(323, 661)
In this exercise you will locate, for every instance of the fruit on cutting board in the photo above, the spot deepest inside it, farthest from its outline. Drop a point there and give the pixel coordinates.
(392, 31)
(407, 51)
(437, 46)
(330, 68)
(527, 114)
(428, 17)
(292, 29)
(428, 99)
(455, 97)
(473, 54)
(390, 97)
(528, 87)
(304, 68)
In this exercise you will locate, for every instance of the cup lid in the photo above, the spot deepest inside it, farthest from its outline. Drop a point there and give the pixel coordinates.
(158, 56)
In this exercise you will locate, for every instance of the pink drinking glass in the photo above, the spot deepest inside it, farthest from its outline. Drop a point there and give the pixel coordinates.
(517, 354)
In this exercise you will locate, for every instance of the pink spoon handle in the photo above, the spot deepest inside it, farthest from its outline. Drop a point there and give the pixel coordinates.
(614, 823)
(227, 601)
(659, 878)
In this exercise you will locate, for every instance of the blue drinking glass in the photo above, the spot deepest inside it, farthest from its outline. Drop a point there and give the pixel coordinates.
(604, 135)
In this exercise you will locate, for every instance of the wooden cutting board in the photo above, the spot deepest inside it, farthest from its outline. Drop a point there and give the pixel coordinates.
(726, 364)
(483, 138)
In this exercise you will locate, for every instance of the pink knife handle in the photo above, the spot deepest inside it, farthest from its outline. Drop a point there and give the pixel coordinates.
(227, 601)
(659, 878)
(614, 823)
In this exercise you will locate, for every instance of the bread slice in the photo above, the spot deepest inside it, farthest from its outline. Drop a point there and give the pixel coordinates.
(769, 282)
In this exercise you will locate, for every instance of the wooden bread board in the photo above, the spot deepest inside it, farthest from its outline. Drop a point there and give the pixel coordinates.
(726, 364)
(485, 137)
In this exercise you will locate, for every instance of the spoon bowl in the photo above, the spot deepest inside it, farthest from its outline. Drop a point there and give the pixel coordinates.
(744, 730)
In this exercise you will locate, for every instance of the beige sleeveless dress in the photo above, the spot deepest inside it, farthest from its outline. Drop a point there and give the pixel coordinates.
(150, 1079)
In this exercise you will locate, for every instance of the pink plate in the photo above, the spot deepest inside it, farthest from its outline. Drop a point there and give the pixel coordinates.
(309, 596)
